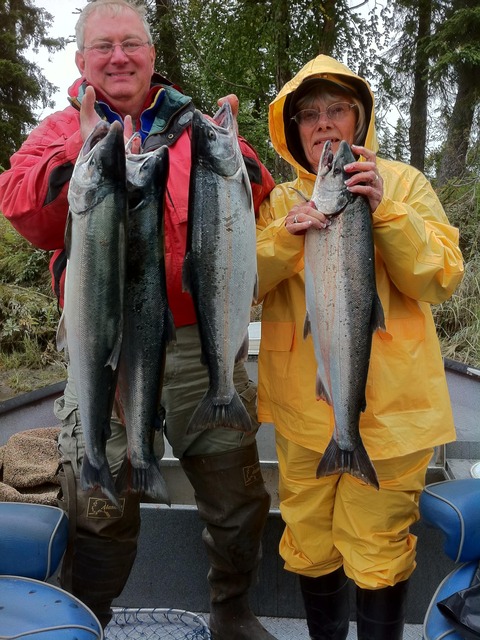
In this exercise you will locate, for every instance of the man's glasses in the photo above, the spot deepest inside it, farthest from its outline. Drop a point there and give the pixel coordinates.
(129, 47)
(336, 112)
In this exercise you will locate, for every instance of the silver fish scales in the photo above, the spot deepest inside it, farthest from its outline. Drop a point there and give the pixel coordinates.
(91, 325)
(343, 311)
(220, 264)
(148, 323)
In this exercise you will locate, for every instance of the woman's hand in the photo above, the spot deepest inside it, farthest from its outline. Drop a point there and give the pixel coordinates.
(303, 216)
(366, 180)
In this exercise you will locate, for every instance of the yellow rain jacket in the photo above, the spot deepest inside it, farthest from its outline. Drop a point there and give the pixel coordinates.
(418, 263)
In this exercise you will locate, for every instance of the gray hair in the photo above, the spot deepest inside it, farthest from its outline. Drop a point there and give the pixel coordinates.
(320, 90)
(113, 8)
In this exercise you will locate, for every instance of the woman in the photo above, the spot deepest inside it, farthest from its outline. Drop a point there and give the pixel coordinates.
(338, 527)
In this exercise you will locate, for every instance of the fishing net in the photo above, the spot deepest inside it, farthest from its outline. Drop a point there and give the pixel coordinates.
(156, 624)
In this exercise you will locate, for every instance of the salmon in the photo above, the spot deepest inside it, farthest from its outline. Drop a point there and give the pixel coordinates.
(343, 311)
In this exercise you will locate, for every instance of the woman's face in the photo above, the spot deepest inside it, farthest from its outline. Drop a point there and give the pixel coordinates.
(337, 128)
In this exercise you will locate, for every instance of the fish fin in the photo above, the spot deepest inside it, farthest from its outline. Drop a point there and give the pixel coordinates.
(210, 416)
(68, 234)
(61, 334)
(148, 480)
(357, 463)
(322, 393)
(187, 274)
(115, 354)
(307, 327)
(255, 290)
(242, 354)
(170, 333)
(377, 320)
(93, 478)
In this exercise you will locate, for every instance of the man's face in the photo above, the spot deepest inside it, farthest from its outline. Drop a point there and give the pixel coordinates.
(122, 77)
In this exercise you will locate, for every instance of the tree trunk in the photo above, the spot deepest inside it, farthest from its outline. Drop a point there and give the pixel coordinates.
(328, 35)
(453, 161)
(418, 106)
(283, 74)
(167, 47)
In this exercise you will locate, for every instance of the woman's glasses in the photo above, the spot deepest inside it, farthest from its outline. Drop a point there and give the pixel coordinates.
(336, 112)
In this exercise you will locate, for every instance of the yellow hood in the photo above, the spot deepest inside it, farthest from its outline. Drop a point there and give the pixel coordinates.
(322, 67)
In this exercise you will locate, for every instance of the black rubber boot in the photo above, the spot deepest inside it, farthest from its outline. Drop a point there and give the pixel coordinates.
(102, 545)
(234, 504)
(381, 612)
(327, 606)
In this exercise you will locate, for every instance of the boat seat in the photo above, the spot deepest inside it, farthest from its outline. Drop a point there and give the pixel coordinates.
(453, 506)
(33, 539)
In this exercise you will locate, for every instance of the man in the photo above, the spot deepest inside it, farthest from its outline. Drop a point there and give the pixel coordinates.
(116, 60)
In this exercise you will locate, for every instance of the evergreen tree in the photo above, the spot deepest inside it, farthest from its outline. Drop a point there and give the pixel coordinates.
(22, 84)
(456, 70)
(251, 48)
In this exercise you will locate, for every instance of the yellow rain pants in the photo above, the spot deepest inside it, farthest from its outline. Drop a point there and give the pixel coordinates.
(340, 520)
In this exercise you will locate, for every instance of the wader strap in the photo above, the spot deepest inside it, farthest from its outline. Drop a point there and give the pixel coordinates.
(69, 488)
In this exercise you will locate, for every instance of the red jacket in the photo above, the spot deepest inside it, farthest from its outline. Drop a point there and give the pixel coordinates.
(33, 192)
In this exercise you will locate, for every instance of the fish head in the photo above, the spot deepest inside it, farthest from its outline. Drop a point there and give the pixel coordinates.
(215, 143)
(330, 193)
(144, 174)
(101, 160)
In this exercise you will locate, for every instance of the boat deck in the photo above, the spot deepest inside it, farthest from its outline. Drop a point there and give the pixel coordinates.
(171, 567)
(281, 628)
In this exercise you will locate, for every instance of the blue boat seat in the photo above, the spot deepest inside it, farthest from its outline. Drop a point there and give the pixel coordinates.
(33, 539)
(453, 506)
(35, 610)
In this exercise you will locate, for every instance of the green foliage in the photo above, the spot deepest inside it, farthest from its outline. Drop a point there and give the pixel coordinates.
(28, 310)
(456, 40)
(458, 319)
(250, 48)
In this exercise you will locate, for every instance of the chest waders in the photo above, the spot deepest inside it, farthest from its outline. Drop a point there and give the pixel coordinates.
(234, 504)
(102, 544)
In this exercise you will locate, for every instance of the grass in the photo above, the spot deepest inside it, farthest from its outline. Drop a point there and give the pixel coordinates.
(458, 319)
(28, 317)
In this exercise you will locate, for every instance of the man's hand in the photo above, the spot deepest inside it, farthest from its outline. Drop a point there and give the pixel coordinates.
(233, 100)
(89, 118)
(128, 132)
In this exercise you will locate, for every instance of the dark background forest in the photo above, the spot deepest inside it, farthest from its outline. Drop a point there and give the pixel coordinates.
(422, 60)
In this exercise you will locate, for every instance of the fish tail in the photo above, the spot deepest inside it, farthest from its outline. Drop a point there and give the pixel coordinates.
(145, 480)
(357, 463)
(209, 415)
(93, 478)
